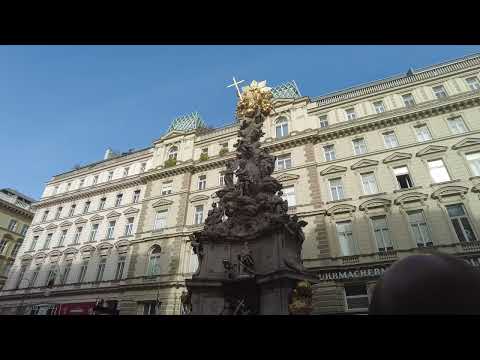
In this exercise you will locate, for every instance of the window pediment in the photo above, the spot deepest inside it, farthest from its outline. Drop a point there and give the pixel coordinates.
(51, 227)
(288, 177)
(87, 251)
(54, 255)
(121, 246)
(96, 218)
(40, 256)
(375, 203)
(162, 202)
(411, 197)
(27, 257)
(65, 224)
(466, 142)
(397, 156)
(113, 214)
(70, 251)
(199, 198)
(80, 221)
(130, 211)
(364, 163)
(37, 229)
(449, 191)
(339, 209)
(333, 169)
(104, 249)
(432, 149)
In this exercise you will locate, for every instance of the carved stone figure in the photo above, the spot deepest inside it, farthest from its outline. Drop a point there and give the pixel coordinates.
(301, 301)
(186, 300)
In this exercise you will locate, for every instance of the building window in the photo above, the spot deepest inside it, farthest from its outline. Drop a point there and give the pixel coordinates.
(143, 167)
(16, 248)
(403, 177)
(34, 243)
(439, 91)
(198, 214)
(47, 241)
(51, 277)
(118, 200)
(323, 121)
(390, 140)
(93, 232)
(68, 186)
(76, 238)
(329, 151)
(369, 183)
(110, 175)
(167, 188)
(221, 179)
(351, 115)
(35, 273)
(473, 83)
(423, 134)
(473, 160)
(59, 212)
(204, 152)
(172, 153)
(154, 262)
(356, 297)
(3, 244)
(86, 206)
(20, 275)
(82, 182)
(55, 190)
(101, 204)
(461, 223)
(438, 171)
(129, 226)
(418, 226)
(160, 220)
(202, 182)
(72, 210)
(95, 180)
(120, 267)
(284, 162)
(382, 234)
(7, 269)
(150, 308)
(379, 107)
(45, 214)
(457, 125)
(66, 272)
(345, 239)
(110, 229)
(408, 100)
(281, 127)
(125, 171)
(61, 240)
(336, 189)
(101, 269)
(83, 271)
(136, 196)
(359, 146)
(12, 225)
(289, 195)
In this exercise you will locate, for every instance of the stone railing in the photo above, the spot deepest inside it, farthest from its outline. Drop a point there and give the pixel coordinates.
(355, 259)
(14, 201)
(470, 246)
(387, 255)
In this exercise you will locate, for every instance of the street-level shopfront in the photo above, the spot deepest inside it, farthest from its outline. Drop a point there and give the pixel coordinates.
(349, 288)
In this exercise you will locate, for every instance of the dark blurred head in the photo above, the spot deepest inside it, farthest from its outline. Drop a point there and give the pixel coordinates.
(428, 284)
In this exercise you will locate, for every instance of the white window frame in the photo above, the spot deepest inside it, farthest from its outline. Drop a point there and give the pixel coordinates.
(289, 195)
(454, 126)
(71, 212)
(45, 215)
(350, 114)
(167, 188)
(172, 153)
(382, 230)
(323, 121)
(202, 182)
(473, 164)
(281, 126)
(101, 203)
(12, 225)
(15, 249)
(83, 271)
(439, 91)
(126, 170)
(110, 230)
(339, 190)
(330, 153)
(86, 206)
(95, 180)
(475, 84)
(153, 267)
(136, 196)
(129, 226)
(417, 224)
(444, 167)
(101, 269)
(120, 268)
(161, 218)
(93, 232)
(48, 240)
(66, 271)
(34, 242)
(118, 200)
(78, 232)
(349, 249)
(110, 175)
(363, 145)
(421, 135)
(411, 100)
(61, 239)
(407, 173)
(198, 215)
(221, 179)
(390, 135)
(367, 186)
(284, 159)
(348, 297)
(460, 222)
(381, 107)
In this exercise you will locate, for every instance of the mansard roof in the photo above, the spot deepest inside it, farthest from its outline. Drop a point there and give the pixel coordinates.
(286, 90)
(187, 122)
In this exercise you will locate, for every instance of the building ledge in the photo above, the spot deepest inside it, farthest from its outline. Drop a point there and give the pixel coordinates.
(408, 189)
(372, 195)
(338, 201)
(445, 183)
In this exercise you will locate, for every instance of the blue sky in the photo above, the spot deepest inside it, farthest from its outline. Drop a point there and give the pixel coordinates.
(64, 105)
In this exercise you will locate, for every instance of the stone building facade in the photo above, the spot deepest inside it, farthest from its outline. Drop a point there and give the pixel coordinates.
(15, 218)
(379, 171)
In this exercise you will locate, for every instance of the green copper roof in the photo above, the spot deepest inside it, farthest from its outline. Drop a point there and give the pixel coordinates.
(187, 122)
(287, 90)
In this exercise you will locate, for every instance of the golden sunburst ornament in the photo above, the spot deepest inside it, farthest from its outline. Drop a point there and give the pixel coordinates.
(255, 98)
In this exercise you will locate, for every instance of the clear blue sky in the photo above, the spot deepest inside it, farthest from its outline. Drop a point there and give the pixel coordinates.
(64, 105)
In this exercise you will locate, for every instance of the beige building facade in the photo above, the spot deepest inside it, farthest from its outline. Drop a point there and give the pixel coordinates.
(15, 218)
(379, 171)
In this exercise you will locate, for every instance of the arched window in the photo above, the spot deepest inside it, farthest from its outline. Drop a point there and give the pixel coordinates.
(281, 127)
(154, 261)
(172, 153)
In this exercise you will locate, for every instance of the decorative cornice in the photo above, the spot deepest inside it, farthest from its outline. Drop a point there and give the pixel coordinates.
(431, 149)
(333, 169)
(96, 217)
(449, 191)
(466, 143)
(130, 211)
(410, 197)
(80, 221)
(113, 214)
(375, 203)
(340, 208)
(162, 202)
(288, 177)
(397, 156)
(364, 163)
(199, 198)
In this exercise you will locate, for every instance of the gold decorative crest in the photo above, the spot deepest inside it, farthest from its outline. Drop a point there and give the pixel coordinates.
(255, 98)
(301, 303)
